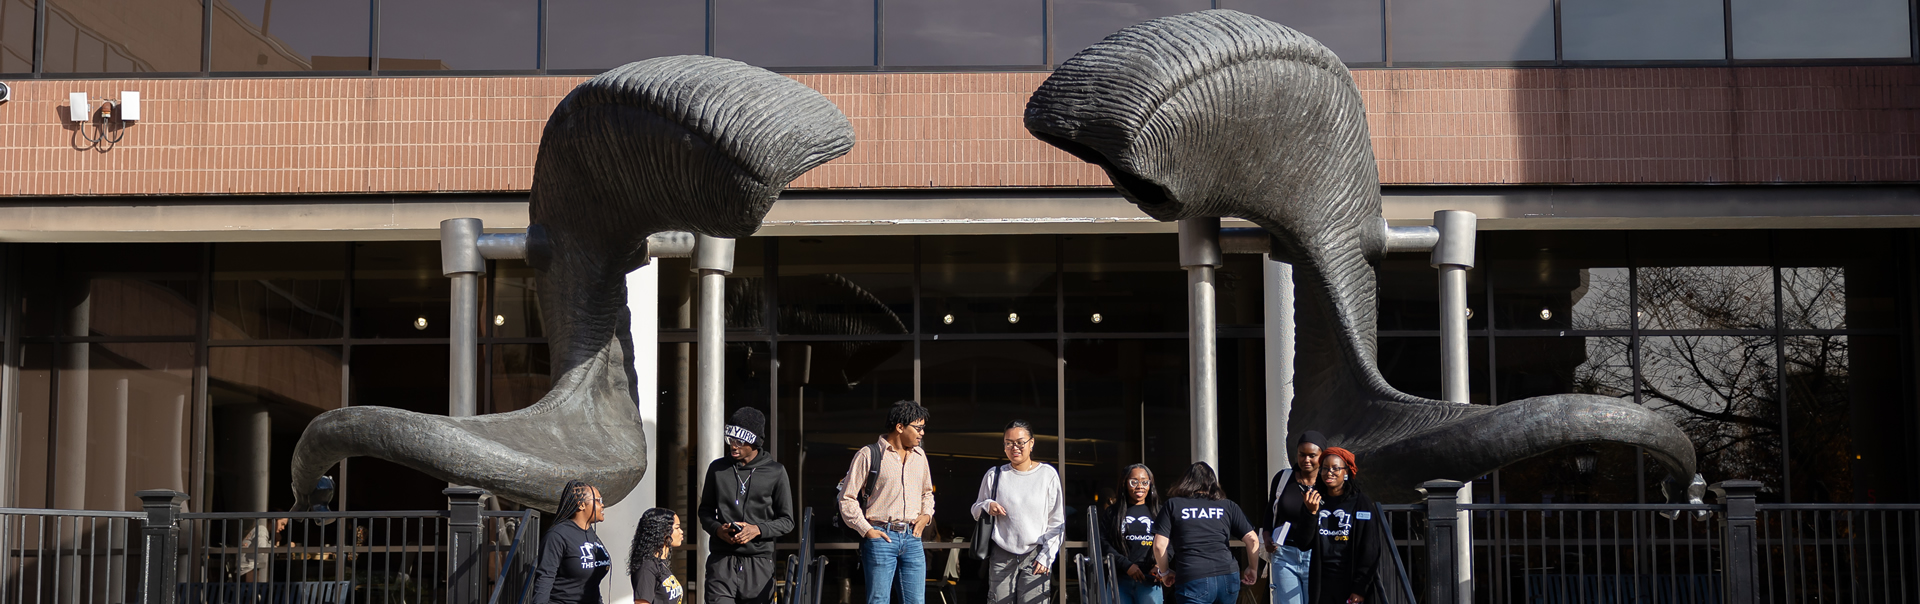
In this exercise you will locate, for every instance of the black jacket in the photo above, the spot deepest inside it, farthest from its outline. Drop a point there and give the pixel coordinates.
(767, 503)
(1363, 562)
(1289, 510)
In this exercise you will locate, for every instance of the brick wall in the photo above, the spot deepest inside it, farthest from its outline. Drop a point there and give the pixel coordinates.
(1451, 126)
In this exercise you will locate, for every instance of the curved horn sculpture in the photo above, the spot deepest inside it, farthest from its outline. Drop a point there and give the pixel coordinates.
(1223, 114)
(676, 143)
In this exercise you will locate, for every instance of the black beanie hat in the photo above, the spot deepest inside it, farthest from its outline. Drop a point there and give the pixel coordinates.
(1311, 437)
(749, 425)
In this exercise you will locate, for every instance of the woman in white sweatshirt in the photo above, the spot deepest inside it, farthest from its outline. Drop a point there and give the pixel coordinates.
(1029, 518)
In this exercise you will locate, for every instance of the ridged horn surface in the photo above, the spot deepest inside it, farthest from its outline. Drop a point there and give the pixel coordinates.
(669, 144)
(1223, 114)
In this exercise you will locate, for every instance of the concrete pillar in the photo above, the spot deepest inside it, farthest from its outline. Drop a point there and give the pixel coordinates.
(70, 410)
(1279, 348)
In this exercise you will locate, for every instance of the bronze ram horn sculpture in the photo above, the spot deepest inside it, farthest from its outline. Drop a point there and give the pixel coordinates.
(1223, 114)
(670, 144)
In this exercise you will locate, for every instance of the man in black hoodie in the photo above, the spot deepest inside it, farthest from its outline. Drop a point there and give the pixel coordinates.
(746, 505)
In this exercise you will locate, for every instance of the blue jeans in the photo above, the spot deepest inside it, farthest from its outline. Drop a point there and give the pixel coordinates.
(1136, 592)
(1222, 589)
(1289, 583)
(903, 559)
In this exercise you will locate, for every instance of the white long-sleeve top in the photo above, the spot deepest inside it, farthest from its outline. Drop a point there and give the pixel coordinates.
(1036, 510)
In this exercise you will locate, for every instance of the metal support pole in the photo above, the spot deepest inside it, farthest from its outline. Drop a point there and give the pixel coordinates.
(1443, 518)
(713, 261)
(1279, 317)
(1200, 255)
(466, 575)
(159, 545)
(1453, 255)
(460, 260)
(1739, 557)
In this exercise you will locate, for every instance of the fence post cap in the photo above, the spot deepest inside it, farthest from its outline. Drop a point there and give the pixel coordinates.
(1735, 488)
(161, 496)
(464, 493)
(1441, 488)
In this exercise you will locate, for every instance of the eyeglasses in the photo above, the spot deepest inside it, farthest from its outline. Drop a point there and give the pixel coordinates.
(921, 428)
(1016, 444)
(1142, 483)
(1332, 470)
(735, 442)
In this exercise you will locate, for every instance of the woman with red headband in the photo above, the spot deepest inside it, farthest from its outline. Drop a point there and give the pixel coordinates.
(1347, 553)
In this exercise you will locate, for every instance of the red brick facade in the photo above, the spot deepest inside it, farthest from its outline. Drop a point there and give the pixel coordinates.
(1439, 126)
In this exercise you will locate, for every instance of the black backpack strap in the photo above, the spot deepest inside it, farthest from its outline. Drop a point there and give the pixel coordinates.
(874, 458)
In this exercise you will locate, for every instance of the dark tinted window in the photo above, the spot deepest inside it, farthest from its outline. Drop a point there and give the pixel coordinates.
(1354, 30)
(602, 34)
(1613, 30)
(795, 33)
(399, 291)
(291, 35)
(119, 36)
(983, 32)
(1830, 29)
(16, 36)
(1472, 30)
(987, 284)
(846, 285)
(278, 291)
(459, 34)
(1078, 24)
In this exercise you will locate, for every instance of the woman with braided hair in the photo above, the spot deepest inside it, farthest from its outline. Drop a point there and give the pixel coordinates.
(653, 540)
(572, 558)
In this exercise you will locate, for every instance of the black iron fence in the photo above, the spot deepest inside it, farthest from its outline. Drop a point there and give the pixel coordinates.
(166, 556)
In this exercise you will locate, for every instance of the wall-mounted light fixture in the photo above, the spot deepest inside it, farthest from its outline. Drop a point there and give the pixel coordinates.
(6, 93)
(109, 117)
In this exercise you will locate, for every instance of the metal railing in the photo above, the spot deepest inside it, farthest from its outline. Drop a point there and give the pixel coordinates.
(69, 557)
(314, 557)
(1838, 552)
(1578, 553)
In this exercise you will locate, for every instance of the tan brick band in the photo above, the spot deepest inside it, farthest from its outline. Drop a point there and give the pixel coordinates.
(1440, 126)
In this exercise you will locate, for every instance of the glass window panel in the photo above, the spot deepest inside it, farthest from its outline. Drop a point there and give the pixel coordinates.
(1472, 30)
(1830, 29)
(987, 284)
(32, 440)
(1412, 365)
(16, 36)
(1078, 24)
(278, 291)
(1703, 279)
(1838, 279)
(1720, 390)
(414, 378)
(1558, 280)
(973, 389)
(1240, 297)
(260, 400)
(984, 32)
(112, 290)
(859, 286)
(1642, 30)
(399, 291)
(117, 421)
(1131, 283)
(521, 375)
(1410, 294)
(1597, 473)
(795, 33)
(1353, 30)
(291, 35)
(516, 306)
(602, 34)
(1126, 404)
(745, 295)
(835, 395)
(459, 34)
(116, 36)
(1845, 445)
(676, 293)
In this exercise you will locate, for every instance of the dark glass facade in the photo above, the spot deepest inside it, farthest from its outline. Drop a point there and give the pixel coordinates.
(415, 37)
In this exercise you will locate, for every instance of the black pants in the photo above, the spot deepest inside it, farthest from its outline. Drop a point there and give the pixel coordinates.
(739, 579)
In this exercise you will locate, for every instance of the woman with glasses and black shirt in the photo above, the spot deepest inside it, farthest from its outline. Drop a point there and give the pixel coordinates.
(572, 558)
(1130, 536)
(1024, 498)
(1347, 553)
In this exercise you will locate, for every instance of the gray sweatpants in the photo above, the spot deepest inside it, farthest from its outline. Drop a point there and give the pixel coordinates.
(1011, 580)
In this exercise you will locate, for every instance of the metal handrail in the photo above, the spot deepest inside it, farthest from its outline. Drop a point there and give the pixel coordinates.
(305, 515)
(1587, 507)
(92, 513)
(500, 582)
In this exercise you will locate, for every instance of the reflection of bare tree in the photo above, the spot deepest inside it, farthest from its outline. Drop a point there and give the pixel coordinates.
(1706, 297)
(1816, 383)
(1720, 390)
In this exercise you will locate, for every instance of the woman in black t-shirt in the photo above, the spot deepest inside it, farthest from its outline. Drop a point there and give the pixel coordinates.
(1197, 526)
(653, 540)
(572, 558)
(1130, 542)
(1347, 553)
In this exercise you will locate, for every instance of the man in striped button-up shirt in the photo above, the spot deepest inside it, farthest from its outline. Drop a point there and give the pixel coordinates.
(899, 504)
